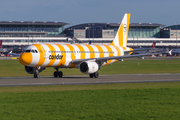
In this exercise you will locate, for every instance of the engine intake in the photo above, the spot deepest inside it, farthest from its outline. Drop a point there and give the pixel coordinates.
(88, 67)
(32, 70)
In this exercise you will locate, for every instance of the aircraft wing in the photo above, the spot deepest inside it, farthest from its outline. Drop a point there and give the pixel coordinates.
(76, 61)
(140, 50)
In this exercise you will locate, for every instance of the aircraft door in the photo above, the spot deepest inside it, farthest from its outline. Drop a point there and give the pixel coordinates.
(43, 52)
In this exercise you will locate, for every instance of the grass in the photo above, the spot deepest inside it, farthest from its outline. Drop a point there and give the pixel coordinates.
(125, 101)
(10, 68)
(92, 102)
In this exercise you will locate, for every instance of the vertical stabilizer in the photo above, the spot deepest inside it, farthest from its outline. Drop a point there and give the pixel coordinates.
(0, 43)
(153, 45)
(122, 33)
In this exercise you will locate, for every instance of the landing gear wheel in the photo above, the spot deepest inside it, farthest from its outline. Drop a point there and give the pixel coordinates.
(96, 74)
(60, 74)
(36, 75)
(91, 75)
(55, 74)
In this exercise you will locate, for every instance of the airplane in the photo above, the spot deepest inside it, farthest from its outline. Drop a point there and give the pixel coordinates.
(1, 49)
(89, 58)
(175, 52)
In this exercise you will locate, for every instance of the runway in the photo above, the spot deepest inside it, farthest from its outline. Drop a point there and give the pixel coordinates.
(84, 79)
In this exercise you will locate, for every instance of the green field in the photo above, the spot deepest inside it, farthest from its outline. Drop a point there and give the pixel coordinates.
(11, 68)
(125, 101)
(130, 101)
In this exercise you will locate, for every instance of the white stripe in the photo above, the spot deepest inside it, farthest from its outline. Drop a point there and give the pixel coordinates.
(35, 56)
(106, 53)
(68, 55)
(122, 51)
(87, 54)
(56, 62)
(114, 50)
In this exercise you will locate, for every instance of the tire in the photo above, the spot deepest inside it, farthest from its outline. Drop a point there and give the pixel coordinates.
(96, 74)
(60, 74)
(91, 75)
(36, 75)
(55, 74)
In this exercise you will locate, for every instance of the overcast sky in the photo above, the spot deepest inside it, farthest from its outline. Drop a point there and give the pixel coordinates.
(85, 11)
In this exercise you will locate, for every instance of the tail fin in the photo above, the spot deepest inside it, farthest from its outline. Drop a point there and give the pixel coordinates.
(153, 45)
(0, 43)
(122, 33)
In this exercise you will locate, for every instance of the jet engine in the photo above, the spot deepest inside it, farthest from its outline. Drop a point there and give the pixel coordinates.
(32, 70)
(88, 67)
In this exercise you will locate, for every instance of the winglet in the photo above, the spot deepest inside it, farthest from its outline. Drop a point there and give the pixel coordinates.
(122, 33)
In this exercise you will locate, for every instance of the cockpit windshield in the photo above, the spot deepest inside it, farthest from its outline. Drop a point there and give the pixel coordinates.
(32, 51)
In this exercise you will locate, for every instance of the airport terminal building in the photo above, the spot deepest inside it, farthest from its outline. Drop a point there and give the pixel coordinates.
(18, 34)
(109, 30)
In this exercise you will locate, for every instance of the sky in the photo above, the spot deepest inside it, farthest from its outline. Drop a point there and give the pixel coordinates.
(74, 12)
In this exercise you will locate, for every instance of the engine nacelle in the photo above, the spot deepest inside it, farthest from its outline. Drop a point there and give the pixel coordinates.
(32, 70)
(88, 67)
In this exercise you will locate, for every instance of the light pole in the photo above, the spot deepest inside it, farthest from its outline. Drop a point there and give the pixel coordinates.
(176, 35)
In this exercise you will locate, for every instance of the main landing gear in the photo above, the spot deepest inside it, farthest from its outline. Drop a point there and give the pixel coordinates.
(95, 75)
(36, 73)
(58, 73)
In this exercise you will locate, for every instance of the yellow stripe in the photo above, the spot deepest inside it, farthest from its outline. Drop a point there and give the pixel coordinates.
(42, 54)
(120, 35)
(128, 20)
(112, 43)
(63, 60)
(109, 62)
(101, 53)
(118, 51)
(82, 51)
(72, 65)
(124, 48)
(72, 51)
(109, 50)
(72, 55)
(53, 52)
(110, 54)
(92, 54)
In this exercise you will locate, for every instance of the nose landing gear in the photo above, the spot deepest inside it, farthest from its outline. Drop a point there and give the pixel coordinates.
(36, 73)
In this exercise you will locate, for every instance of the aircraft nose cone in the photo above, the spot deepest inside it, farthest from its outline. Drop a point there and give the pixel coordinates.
(25, 58)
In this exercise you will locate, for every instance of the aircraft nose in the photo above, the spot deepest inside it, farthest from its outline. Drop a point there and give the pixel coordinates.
(25, 58)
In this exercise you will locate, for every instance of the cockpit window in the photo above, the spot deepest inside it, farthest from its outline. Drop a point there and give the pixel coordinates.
(27, 51)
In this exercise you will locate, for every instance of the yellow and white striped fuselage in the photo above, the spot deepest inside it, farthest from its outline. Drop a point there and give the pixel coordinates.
(62, 55)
